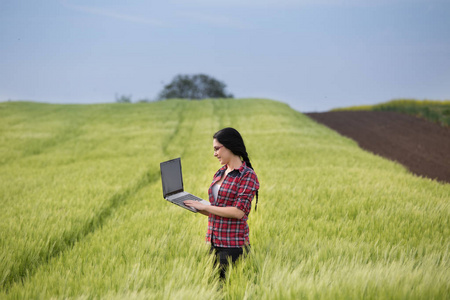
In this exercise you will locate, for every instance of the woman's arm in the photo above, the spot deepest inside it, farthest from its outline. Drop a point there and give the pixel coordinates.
(226, 212)
(204, 213)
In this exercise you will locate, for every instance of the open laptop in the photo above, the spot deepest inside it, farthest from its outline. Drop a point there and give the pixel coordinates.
(172, 184)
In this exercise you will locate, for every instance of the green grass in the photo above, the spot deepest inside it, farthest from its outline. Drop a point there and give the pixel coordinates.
(83, 216)
(434, 111)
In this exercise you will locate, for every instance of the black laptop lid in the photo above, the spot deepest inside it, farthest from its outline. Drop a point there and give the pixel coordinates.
(172, 180)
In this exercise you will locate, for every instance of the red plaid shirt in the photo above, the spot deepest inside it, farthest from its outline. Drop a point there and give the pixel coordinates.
(238, 190)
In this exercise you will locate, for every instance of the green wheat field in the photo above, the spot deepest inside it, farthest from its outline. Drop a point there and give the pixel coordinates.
(82, 214)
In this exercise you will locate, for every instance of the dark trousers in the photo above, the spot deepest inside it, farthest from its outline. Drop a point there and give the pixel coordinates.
(224, 255)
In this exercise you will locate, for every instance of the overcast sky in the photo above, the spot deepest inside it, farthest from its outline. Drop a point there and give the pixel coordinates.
(313, 54)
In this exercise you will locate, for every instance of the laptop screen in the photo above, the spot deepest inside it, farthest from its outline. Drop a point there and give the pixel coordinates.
(171, 177)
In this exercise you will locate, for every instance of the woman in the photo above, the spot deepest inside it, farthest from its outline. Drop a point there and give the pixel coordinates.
(231, 193)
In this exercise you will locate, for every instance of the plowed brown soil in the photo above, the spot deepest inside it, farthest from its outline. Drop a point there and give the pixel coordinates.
(422, 146)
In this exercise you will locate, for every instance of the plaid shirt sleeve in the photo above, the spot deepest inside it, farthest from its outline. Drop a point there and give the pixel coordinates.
(248, 185)
(237, 190)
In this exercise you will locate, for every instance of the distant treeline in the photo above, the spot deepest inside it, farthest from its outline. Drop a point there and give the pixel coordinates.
(191, 87)
(435, 111)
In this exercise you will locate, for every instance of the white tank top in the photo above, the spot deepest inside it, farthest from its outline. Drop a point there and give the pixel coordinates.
(215, 191)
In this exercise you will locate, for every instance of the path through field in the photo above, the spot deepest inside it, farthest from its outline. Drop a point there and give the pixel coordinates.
(423, 147)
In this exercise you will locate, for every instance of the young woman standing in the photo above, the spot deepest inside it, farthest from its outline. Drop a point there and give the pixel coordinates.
(231, 193)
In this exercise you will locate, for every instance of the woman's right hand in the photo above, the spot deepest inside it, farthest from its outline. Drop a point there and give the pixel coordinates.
(195, 204)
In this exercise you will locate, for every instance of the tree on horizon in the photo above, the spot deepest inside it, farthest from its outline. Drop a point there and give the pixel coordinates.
(198, 86)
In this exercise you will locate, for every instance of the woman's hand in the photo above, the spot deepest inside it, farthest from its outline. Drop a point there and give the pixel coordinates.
(195, 204)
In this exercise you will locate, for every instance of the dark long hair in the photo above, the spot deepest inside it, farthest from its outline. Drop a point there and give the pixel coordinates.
(232, 140)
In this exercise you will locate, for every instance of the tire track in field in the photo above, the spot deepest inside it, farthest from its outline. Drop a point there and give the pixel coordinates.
(181, 135)
(66, 242)
(180, 118)
(221, 109)
(68, 131)
(218, 113)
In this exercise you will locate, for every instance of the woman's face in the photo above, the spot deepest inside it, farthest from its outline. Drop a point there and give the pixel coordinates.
(221, 152)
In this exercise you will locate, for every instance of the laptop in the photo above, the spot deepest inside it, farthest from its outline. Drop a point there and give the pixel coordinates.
(172, 184)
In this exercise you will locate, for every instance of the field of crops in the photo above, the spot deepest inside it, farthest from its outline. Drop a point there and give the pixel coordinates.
(432, 110)
(82, 214)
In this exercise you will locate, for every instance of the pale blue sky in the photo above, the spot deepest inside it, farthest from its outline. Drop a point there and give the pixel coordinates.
(313, 55)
